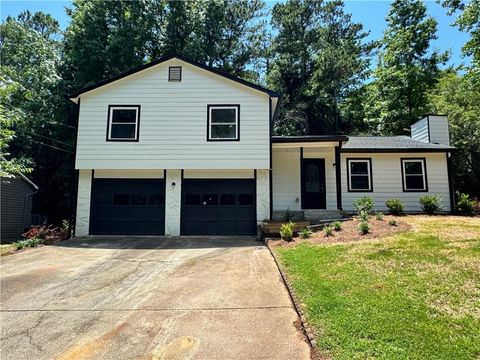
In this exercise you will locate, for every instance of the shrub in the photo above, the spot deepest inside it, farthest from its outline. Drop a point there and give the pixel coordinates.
(392, 222)
(364, 227)
(33, 242)
(328, 230)
(465, 205)
(364, 216)
(337, 225)
(431, 203)
(395, 206)
(305, 233)
(364, 204)
(41, 232)
(286, 231)
(379, 216)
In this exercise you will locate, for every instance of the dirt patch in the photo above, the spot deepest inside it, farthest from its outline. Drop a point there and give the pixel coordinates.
(350, 233)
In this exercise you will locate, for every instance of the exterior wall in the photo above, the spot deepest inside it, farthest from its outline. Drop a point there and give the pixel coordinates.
(439, 129)
(128, 174)
(15, 209)
(286, 176)
(173, 201)
(218, 174)
(82, 224)
(419, 130)
(387, 180)
(173, 123)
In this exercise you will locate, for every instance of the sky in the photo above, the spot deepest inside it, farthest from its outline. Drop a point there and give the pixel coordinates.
(370, 13)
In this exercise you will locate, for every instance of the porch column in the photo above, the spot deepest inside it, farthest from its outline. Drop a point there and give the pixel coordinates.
(82, 223)
(263, 194)
(173, 200)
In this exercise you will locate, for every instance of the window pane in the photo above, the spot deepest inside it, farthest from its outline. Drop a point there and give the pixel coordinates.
(413, 167)
(359, 182)
(223, 132)
(245, 199)
(120, 199)
(227, 199)
(139, 200)
(155, 200)
(359, 167)
(124, 115)
(223, 116)
(123, 131)
(414, 182)
(192, 199)
(210, 199)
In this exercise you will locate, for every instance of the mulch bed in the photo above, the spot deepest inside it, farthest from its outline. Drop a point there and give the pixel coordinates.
(349, 232)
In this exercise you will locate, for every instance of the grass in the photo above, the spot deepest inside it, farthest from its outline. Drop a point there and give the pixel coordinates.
(6, 249)
(412, 295)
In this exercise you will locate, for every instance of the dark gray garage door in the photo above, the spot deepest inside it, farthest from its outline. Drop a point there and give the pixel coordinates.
(218, 207)
(128, 207)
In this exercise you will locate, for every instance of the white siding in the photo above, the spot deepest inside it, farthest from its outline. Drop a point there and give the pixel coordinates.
(439, 129)
(173, 123)
(218, 174)
(287, 178)
(128, 174)
(387, 180)
(419, 130)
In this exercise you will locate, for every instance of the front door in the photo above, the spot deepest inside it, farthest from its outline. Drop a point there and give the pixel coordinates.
(313, 184)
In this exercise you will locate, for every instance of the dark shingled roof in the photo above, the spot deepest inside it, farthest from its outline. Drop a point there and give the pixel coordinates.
(391, 143)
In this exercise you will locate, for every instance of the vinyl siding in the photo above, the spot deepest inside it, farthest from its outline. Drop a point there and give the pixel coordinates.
(419, 130)
(218, 174)
(439, 130)
(387, 180)
(173, 123)
(128, 174)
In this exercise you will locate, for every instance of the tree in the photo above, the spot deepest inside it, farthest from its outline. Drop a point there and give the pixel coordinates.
(407, 69)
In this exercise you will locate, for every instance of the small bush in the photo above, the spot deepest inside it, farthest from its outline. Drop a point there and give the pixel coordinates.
(305, 233)
(395, 206)
(364, 227)
(364, 216)
(379, 216)
(337, 225)
(431, 203)
(33, 242)
(364, 204)
(286, 231)
(328, 230)
(392, 222)
(465, 205)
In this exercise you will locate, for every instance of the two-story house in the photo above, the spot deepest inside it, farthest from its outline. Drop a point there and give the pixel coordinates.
(178, 148)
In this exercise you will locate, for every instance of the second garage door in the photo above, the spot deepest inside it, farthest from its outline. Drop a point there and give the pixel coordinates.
(218, 207)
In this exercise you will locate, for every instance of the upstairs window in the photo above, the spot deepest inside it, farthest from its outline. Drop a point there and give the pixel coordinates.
(414, 176)
(223, 123)
(175, 73)
(123, 123)
(359, 175)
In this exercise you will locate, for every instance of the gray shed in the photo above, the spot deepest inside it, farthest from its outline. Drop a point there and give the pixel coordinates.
(15, 206)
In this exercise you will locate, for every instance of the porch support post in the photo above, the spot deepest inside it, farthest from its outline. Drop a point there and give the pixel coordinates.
(173, 200)
(338, 175)
(84, 194)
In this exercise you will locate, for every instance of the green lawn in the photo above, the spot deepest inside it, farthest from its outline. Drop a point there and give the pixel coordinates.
(413, 295)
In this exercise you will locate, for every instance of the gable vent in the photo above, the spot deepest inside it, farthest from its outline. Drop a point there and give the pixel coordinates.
(175, 73)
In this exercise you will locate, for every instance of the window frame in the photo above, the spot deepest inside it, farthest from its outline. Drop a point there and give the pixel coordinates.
(211, 107)
(170, 75)
(423, 161)
(111, 108)
(370, 174)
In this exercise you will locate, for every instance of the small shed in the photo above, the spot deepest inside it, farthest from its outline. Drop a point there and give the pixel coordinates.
(16, 195)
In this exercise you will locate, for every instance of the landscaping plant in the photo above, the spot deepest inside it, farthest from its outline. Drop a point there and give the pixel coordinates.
(465, 205)
(364, 216)
(364, 204)
(392, 222)
(379, 216)
(337, 225)
(286, 231)
(328, 230)
(305, 233)
(364, 227)
(33, 242)
(431, 203)
(395, 206)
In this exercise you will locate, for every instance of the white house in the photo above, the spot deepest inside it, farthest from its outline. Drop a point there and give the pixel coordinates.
(177, 148)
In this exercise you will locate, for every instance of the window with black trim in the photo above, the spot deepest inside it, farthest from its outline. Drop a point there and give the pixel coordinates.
(359, 175)
(223, 123)
(414, 176)
(123, 122)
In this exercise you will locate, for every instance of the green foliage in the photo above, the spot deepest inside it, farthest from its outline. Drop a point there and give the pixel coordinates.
(305, 233)
(288, 215)
(328, 230)
(286, 231)
(337, 225)
(395, 206)
(364, 227)
(33, 242)
(392, 222)
(364, 215)
(465, 205)
(364, 204)
(379, 216)
(431, 203)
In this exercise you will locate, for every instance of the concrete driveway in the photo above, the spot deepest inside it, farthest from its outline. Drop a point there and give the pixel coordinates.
(147, 298)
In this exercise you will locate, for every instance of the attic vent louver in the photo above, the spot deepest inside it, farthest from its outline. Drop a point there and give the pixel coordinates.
(175, 73)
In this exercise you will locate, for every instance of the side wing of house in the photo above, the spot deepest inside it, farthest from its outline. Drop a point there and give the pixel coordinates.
(173, 149)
